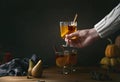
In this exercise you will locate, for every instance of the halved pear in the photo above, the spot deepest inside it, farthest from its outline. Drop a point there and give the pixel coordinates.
(37, 69)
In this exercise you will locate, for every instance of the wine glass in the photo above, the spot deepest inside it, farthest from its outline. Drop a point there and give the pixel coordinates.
(67, 59)
(73, 59)
(72, 54)
(67, 27)
(62, 61)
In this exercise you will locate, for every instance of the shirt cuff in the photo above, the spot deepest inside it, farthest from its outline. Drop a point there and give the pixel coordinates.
(109, 24)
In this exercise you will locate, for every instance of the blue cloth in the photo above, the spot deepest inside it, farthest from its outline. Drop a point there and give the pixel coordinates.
(17, 66)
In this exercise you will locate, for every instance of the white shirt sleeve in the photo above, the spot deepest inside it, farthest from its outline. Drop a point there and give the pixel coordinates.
(110, 23)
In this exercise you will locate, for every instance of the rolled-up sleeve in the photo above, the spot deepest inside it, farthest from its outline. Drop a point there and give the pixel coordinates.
(110, 23)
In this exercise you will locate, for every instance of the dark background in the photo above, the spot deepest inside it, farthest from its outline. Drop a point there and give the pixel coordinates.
(32, 27)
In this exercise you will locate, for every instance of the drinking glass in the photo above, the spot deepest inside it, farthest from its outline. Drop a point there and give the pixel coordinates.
(73, 59)
(62, 61)
(67, 27)
(67, 59)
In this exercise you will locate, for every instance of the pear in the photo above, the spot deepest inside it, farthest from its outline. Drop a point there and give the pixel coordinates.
(37, 69)
(114, 62)
(31, 65)
(105, 61)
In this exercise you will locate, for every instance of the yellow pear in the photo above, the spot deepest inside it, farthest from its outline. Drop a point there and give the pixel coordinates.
(114, 62)
(37, 69)
(31, 65)
(105, 61)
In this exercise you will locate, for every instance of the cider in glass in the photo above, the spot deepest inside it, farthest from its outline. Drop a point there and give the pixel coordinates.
(67, 28)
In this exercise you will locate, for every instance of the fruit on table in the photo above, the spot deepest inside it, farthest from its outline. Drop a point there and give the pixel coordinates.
(106, 62)
(31, 65)
(114, 61)
(112, 50)
(37, 69)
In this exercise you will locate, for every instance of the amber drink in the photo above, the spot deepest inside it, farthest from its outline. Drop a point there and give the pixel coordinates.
(67, 28)
(61, 59)
(62, 62)
(67, 60)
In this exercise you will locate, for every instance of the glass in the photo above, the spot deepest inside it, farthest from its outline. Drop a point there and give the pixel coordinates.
(67, 28)
(61, 61)
(67, 60)
(72, 60)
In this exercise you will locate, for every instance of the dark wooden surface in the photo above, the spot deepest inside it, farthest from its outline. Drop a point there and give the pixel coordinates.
(52, 74)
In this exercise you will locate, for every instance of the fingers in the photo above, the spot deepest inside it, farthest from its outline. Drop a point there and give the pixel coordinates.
(78, 41)
(74, 42)
(70, 36)
(77, 45)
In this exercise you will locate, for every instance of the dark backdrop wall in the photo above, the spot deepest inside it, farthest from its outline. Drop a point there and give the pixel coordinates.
(32, 27)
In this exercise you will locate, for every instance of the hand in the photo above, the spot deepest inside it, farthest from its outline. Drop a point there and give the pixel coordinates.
(83, 38)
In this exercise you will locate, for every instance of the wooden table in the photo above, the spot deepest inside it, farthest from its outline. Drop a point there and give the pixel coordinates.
(52, 74)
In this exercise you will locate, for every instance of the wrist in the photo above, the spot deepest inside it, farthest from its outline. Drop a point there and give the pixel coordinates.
(94, 34)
